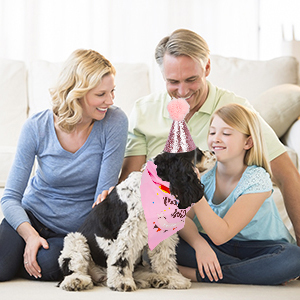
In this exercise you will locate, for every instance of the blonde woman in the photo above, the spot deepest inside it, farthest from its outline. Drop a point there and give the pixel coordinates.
(79, 146)
(235, 234)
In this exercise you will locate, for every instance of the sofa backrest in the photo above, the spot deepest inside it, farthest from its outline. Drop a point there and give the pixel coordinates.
(21, 98)
(250, 78)
(132, 82)
(13, 110)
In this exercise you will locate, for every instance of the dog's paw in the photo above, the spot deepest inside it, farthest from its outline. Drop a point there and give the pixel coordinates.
(123, 285)
(77, 282)
(159, 281)
(177, 281)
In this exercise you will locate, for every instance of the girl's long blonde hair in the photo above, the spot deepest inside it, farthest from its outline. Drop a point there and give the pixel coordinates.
(82, 71)
(246, 121)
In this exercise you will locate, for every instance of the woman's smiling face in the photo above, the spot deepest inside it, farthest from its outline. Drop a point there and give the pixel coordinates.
(97, 100)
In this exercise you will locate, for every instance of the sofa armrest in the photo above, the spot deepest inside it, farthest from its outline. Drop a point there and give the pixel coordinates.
(292, 139)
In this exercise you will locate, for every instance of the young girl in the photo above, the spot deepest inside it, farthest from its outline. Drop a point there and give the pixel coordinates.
(236, 234)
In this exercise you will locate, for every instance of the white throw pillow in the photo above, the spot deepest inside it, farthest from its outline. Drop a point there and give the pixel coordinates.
(13, 111)
(279, 106)
(42, 76)
(132, 82)
(249, 78)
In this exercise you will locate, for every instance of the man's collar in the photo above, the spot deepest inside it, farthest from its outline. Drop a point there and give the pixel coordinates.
(166, 100)
(207, 107)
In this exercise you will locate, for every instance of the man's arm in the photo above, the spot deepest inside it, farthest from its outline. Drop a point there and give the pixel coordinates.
(287, 178)
(130, 164)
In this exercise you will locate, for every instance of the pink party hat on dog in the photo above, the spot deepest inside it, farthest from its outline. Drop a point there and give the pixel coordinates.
(180, 139)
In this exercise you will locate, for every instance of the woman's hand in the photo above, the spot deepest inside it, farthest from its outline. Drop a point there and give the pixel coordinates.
(102, 196)
(33, 243)
(208, 263)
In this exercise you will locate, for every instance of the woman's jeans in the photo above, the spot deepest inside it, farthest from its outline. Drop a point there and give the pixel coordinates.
(249, 262)
(12, 248)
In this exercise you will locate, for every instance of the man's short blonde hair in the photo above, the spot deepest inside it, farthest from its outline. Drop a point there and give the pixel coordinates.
(82, 71)
(183, 42)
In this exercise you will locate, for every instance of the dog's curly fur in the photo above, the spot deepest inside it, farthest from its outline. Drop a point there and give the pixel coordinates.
(108, 248)
(177, 169)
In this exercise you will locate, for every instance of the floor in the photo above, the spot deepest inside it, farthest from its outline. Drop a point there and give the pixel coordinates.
(28, 290)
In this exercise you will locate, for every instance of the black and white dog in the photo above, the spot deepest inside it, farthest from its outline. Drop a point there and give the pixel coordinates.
(108, 247)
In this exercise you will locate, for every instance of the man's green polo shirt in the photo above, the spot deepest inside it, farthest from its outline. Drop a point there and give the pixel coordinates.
(150, 123)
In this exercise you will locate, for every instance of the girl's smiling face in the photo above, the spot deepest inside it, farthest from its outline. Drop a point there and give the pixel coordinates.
(227, 142)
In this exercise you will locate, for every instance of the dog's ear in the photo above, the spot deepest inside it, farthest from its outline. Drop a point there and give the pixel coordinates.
(184, 183)
(162, 162)
(178, 170)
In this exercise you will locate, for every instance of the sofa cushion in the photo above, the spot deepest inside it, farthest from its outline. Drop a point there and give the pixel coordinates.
(249, 78)
(292, 140)
(279, 106)
(41, 77)
(13, 110)
(132, 82)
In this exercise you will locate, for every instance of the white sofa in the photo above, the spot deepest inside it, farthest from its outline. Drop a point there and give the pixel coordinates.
(271, 86)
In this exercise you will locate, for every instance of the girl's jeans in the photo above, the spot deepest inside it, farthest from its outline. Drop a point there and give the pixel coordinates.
(12, 249)
(249, 262)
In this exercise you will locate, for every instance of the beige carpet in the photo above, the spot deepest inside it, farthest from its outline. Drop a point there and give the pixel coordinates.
(28, 290)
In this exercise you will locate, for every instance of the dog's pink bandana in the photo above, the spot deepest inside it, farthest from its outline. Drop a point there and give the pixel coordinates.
(163, 216)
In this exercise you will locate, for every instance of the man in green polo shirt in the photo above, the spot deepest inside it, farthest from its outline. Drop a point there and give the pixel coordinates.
(184, 61)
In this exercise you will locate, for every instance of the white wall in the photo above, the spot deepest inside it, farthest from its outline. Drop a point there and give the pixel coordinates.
(129, 30)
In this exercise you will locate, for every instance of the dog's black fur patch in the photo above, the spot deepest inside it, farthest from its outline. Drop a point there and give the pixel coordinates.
(65, 267)
(105, 220)
(121, 263)
(178, 169)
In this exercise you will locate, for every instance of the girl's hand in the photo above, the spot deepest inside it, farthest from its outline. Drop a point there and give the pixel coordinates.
(102, 196)
(33, 243)
(208, 263)
(198, 173)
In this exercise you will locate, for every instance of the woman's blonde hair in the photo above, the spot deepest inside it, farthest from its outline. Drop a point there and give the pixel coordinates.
(246, 121)
(183, 42)
(82, 71)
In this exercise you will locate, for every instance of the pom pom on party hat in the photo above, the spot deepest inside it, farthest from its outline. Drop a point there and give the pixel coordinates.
(180, 139)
